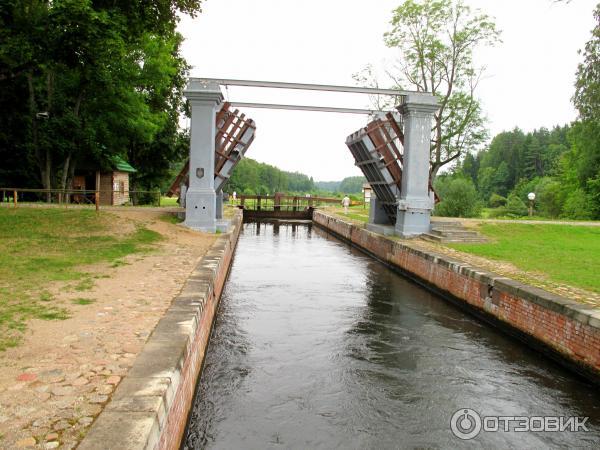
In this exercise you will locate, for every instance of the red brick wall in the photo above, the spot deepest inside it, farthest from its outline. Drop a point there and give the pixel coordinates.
(173, 430)
(569, 329)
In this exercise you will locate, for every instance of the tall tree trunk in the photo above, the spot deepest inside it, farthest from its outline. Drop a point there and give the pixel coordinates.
(69, 163)
(42, 159)
(66, 170)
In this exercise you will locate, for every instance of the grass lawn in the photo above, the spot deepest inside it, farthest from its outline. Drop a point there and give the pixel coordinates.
(168, 201)
(40, 246)
(358, 213)
(567, 254)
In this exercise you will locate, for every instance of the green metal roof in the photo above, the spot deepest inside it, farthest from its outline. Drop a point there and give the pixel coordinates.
(121, 165)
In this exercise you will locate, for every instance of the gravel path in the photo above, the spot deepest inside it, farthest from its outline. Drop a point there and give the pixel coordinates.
(57, 381)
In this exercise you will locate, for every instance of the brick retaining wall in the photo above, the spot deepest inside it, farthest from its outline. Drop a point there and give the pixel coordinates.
(565, 330)
(150, 407)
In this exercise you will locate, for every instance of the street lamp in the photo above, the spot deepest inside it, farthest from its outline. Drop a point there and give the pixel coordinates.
(531, 197)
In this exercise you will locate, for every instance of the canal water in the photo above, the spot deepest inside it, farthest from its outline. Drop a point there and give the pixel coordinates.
(319, 346)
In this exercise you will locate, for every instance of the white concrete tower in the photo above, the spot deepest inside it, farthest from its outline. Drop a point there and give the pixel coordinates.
(200, 203)
(415, 203)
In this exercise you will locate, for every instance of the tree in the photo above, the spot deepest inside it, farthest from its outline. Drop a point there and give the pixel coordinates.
(585, 134)
(106, 76)
(435, 40)
(352, 185)
(587, 84)
(458, 197)
(532, 158)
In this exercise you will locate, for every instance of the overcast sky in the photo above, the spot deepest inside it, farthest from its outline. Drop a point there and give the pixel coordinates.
(528, 80)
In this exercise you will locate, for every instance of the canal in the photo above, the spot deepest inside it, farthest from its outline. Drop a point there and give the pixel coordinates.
(318, 346)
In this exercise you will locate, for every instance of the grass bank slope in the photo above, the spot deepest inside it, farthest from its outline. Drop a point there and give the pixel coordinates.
(566, 254)
(42, 246)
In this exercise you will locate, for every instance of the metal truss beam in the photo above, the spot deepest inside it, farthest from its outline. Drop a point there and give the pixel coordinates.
(305, 86)
(304, 108)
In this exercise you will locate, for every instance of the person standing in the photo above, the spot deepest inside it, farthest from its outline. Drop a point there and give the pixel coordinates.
(346, 203)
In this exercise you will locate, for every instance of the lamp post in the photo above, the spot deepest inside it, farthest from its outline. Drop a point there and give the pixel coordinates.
(531, 197)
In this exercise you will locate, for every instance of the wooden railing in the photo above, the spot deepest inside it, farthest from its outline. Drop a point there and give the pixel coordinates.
(280, 202)
(14, 196)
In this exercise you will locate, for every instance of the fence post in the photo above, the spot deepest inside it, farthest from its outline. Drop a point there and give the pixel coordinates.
(97, 200)
(15, 198)
(158, 194)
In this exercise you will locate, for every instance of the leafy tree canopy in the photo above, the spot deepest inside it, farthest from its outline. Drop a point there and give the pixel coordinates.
(83, 80)
(435, 40)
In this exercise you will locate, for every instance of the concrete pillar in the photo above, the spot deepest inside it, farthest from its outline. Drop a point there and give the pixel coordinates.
(200, 202)
(219, 205)
(377, 214)
(415, 205)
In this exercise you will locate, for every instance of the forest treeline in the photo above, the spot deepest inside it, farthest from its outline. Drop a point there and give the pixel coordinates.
(251, 177)
(560, 166)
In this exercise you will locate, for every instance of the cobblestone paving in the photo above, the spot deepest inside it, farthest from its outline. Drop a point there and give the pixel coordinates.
(54, 385)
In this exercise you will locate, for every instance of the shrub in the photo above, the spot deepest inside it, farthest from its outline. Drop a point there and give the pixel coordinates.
(577, 206)
(497, 200)
(458, 198)
(515, 206)
(550, 197)
(524, 187)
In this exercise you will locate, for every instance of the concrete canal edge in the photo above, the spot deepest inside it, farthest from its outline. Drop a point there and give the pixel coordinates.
(150, 407)
(567, 331)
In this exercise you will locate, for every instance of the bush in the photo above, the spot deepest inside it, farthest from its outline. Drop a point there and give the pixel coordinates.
(577, 206)
(515, 206)
(495, 213)
(458, 198)
(497, 200)
(550, 197)
(524, 187)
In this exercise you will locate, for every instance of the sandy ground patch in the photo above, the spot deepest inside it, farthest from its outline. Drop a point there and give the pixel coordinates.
(57, 381)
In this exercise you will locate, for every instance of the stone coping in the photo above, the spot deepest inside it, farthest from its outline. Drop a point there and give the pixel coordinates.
(137, 413)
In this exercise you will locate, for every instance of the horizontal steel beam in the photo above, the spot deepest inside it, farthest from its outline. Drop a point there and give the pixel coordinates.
(306, 86)
(304, 108)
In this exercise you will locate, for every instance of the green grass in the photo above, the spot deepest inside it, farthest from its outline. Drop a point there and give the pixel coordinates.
(41, 246)
(170, 218)
(566, 254)
(358, 213)
(83, 301)
(85, 284)
(168, 201)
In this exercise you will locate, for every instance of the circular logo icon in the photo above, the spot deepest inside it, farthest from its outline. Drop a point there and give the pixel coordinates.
(465, 424)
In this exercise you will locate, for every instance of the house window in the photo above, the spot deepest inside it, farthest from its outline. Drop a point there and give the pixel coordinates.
(122, 187)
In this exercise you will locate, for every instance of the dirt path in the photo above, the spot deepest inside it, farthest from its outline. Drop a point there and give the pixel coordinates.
(57, 381)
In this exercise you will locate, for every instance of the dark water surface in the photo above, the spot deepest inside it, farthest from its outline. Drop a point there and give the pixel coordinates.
(319, 346)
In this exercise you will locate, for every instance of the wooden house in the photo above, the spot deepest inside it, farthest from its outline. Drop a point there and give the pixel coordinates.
(112, 184)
